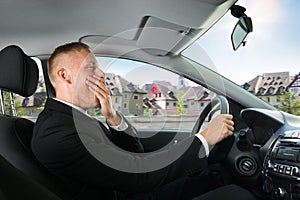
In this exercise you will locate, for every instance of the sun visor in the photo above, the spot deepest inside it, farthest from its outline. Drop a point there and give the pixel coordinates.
(159, 37)
(155, 36)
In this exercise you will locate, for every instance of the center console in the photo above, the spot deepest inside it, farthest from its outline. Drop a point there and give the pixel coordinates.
(281, 167)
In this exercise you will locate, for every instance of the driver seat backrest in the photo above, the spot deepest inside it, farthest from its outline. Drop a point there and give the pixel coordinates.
(19, 74)
(16, 185)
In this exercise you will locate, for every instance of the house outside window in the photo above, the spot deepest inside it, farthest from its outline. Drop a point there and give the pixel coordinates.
(160, 94)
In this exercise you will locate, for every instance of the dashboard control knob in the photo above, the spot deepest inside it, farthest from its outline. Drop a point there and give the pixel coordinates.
(280, 192)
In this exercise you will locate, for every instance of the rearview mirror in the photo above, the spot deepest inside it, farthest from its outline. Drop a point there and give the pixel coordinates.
(241, 31)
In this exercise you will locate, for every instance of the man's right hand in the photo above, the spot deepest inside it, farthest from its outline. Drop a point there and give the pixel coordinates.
(218, 128)
(98, 86)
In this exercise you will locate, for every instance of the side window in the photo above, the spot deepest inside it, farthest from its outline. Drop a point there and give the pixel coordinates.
(28, 107)
(153, 98)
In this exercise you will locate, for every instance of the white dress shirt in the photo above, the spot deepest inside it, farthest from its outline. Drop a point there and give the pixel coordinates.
(204, 143)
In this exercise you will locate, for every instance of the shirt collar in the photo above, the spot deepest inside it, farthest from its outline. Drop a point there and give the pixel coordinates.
(73, 106)
(121, 127)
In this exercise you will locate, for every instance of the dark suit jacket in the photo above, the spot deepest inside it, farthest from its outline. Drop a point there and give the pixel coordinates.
(63, 141)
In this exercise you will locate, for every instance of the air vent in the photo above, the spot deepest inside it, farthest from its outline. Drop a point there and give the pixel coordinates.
(246, 165)
(288, 142)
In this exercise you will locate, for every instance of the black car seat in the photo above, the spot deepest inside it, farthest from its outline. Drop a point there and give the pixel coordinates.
(19, 74)
(14, 184)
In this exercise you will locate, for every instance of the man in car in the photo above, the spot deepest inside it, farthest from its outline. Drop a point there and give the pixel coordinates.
(94, 159)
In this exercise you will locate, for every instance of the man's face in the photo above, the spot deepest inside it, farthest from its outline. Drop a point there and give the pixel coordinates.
(85, 65)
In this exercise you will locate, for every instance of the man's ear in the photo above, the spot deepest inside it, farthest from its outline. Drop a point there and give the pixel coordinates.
(64, 75)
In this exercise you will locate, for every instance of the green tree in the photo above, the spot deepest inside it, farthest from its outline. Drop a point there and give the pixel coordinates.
(147, 111)
(7, 106)
(20, 110)
(179, 103)
(287, 103)
(295, 108)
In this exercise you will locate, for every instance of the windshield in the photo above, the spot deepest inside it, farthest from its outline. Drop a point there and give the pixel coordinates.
(273, 46)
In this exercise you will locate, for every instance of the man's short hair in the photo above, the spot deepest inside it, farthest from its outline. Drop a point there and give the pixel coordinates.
(65, 48)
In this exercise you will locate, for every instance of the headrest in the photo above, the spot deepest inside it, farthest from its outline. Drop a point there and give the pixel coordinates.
(18, 72)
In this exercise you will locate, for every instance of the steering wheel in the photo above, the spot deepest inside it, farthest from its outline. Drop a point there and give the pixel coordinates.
(220, 150)
(224, 109)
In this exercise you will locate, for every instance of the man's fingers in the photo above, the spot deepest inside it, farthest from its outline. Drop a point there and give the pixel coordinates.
(230, 128)
(103, 95)
(97, 85)
(228, 125)
(227, 116)
(229, 122)
(96, 80)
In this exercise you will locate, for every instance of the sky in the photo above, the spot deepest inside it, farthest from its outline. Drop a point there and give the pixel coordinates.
(273, 46)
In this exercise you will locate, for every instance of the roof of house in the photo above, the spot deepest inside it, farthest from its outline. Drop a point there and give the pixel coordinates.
(268, 84)
(250, 86)
(119, 85)
(166, 89)
(197, 93)
(129, 86)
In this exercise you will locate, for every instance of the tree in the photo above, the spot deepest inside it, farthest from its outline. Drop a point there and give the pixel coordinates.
(179, 103)
(21, 110)
(287, 103)
(7, 107)
(148, 111)
(295, 108)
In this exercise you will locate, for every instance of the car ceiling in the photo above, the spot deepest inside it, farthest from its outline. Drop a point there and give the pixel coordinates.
(39, 26)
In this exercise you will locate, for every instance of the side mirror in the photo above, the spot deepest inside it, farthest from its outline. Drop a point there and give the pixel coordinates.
(241, 31)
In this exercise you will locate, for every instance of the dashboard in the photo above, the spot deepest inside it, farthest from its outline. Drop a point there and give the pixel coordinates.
(282, 167)
(267, 153)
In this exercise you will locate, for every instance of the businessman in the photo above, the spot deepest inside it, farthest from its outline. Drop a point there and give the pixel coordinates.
(98, 161)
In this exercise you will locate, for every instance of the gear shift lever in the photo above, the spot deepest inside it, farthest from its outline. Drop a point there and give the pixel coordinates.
(244, 144)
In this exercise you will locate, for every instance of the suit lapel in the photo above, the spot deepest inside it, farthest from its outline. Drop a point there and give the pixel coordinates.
(83, 123)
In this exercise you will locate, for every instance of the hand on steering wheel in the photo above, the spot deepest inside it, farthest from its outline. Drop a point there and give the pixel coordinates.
(218, 128)
(224, 109)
